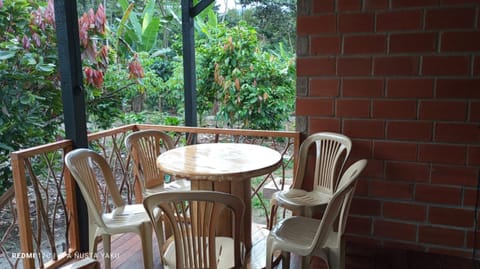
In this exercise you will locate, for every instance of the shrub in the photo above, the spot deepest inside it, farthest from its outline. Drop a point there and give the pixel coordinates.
(253, 88)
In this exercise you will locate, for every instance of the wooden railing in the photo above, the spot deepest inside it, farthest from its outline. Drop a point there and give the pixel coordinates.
(44, 201)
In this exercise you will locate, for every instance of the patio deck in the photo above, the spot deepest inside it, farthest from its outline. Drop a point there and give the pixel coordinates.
(127, 255)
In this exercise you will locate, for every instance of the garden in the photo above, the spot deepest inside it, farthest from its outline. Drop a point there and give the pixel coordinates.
(132, 68)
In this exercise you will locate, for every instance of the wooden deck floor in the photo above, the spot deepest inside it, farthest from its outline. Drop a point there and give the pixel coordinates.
(127, 251)
(127, 254)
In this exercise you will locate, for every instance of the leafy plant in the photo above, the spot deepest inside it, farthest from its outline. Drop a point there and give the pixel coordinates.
(142, 30)
(252, 88)
(29, 92)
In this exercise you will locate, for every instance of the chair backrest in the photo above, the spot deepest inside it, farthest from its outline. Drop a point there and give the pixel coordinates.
(331, 153)
(88, 168)
(145, 146)
(194, 217)
(339, 206)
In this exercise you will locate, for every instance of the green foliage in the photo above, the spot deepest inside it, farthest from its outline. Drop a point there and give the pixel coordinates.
(29, 94)
(253, 88)
(142, 30)
(274, 20)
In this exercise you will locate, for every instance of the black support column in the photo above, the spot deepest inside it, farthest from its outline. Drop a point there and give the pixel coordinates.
(189, 11)
(70, 66)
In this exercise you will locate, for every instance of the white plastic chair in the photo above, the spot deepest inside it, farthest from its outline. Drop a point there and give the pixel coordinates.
(313, 237)
(84, 164)
(144, 147)
(331, 151)
(194, 217)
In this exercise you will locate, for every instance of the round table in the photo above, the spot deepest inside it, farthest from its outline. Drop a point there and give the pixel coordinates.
(225, 167)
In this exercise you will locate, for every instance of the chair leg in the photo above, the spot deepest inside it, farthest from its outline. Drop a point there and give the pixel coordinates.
(305, 260)
(273, 216)
(285, 260)
(269, 253)
(92, 242)
(160, 235)
(147, 249)
(336, 256)
(107, 251)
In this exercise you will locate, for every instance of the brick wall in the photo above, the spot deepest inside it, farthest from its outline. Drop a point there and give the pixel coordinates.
(401, 78)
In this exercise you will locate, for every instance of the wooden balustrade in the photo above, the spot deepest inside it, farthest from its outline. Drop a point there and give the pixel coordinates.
(45, 197)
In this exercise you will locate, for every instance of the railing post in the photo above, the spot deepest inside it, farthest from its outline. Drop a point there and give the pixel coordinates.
(71, 204)
(23, 210)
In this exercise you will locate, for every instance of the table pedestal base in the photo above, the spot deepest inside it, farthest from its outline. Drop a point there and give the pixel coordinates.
(239, 188)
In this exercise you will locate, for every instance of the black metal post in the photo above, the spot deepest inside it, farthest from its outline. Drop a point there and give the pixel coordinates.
(189, 11)
(70, 66)
(189, 76)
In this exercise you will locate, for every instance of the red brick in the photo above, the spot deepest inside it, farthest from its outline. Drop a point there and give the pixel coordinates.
(404, 211)
(457, 132)
(396, 66)
(450, 18)
(315, 66)
(395, 230)
(456, 2)
(355, 22)
(363, 149)
(349, 5)
(470, 197)
(446, 65)
(324, 87)
(399, 20)
(354, 66)
(374, 169)
(363, 87)
(413, 172)
(365, 241)
(454, 175)
(458, 88)
(413, 42)
(324, 124)
(359, 225)
(410, 130)
(322, 45)
(438, 194)
(453, 252)
(441, 236)
(474, 111)
(451, 216)
(395, 109)
(307, 25)
(364, 206)
(473, 155)
(364, 128)
(472, 239)
(395, 190)
(414, 3)
(376, 4)
(364, 44)
(401, 151)
(323, 6)
(403, 246)
(443, 110)
(438, 153)
(476, 64)
(410, 88)
(314, 107)
(460, 41)
(362, 187)
(353, 108)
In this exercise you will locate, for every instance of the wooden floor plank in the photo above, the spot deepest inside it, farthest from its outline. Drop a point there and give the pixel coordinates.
(127, 254)
(127, 251)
